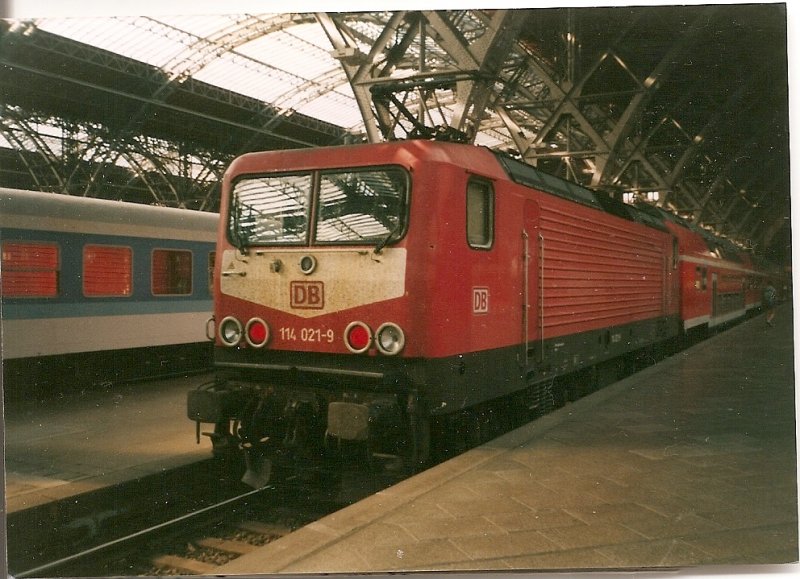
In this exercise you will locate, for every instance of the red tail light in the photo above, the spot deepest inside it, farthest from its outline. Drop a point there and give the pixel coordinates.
(257, 332)
(357, 337)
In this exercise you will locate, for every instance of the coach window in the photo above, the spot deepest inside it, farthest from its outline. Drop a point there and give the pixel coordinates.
(701, 275)
(171, 272)
(107, 271)
(30, 270)
(480, 214)
(675, 253)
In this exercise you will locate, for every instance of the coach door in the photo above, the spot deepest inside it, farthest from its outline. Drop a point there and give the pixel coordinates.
(532, 307)
(714, 299)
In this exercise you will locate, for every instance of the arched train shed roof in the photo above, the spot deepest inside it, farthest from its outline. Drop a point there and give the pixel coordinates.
(685, 107)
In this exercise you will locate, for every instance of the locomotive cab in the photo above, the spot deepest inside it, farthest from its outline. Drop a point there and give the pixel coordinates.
(323, 331)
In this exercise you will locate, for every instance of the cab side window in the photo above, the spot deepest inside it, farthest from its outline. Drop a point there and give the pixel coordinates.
(480, 214)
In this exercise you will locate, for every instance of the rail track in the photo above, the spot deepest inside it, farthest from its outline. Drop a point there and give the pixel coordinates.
(186, 521)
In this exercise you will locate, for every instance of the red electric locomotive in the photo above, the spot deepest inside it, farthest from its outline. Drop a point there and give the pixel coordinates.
(381, 292)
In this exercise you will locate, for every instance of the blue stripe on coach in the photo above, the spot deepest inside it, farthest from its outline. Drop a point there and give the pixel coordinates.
(87, 309)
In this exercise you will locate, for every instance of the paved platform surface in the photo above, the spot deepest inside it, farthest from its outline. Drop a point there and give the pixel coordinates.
(85, 441)
(690, 462)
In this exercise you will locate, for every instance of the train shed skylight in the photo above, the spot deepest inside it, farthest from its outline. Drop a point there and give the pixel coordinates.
(282, 60)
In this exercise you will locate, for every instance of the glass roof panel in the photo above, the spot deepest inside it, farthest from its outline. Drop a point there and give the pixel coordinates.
(247, 77)
(291, 67)
(291, 52)
(489, 140)
(334, 107)
(201, 26)
(141, 39)
(311, 34)
(278, 68)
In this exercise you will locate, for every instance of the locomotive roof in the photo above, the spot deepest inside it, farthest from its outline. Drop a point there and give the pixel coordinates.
(525, 174)
(457, 153)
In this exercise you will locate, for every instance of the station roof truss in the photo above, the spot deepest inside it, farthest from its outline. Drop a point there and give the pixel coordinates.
(682, 106)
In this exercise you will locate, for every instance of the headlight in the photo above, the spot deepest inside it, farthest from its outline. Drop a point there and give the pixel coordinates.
(230, 331)
(390, 339)
(308, 263)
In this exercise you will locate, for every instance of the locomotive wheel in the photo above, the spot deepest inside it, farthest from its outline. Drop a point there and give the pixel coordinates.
(227, 458)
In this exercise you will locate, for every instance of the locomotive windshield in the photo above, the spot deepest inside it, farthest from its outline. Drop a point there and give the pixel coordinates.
(353, 206)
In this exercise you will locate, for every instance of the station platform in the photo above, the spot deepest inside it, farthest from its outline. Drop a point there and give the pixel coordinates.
(86, 441)
(691, 462)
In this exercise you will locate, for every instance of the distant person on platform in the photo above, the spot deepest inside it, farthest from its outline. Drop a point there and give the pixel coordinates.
(770, 299)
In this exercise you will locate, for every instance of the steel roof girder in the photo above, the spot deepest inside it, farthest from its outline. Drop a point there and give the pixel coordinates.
(483, 56)
(480, 57)
(637, 104)
(772, 227)
(474, 96)
(565, 97)
(699, 140)
(567, 104)
(214, 93)
(723, 176)
(695, 196)
(206, 49)
(340, 39)
(89, 54)
(744, 222)
(41, 148)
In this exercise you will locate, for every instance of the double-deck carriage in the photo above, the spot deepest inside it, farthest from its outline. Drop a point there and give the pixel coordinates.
(720, 283)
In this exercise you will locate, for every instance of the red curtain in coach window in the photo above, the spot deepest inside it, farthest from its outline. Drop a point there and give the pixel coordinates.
(107, 271)
(30, 270)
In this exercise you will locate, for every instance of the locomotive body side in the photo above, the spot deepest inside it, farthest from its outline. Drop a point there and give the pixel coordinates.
(77, 281)
(362, 291)
(601, 286)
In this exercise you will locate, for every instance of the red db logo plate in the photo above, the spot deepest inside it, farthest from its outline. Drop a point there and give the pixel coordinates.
(307, 295)
(480, 300)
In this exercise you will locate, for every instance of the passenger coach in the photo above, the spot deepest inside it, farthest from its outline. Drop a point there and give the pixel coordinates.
(96, 290)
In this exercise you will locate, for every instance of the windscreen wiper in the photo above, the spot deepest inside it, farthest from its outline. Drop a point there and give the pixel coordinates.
(385, 241)
(237, 238)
